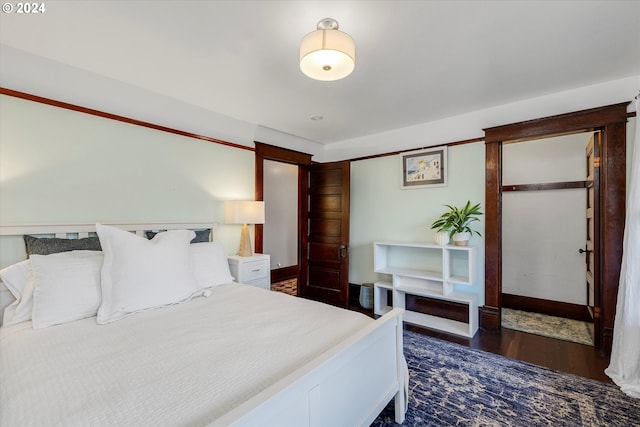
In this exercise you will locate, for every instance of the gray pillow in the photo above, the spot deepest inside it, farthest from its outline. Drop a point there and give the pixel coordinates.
(201, 235)
(47, 246)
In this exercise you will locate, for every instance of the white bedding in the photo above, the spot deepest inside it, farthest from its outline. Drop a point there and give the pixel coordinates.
(186, 364)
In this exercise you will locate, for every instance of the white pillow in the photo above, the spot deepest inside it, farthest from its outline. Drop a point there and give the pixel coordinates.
(210, 265)
(66, 287)
(19, 280)
(140, 274)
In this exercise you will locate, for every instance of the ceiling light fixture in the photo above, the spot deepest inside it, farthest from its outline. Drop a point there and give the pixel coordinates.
(327, 54)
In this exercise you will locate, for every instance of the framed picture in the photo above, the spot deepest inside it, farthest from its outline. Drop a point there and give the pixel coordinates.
(424, 168)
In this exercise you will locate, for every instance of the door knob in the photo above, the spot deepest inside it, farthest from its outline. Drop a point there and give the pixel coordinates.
(582, 251)
(343, 250)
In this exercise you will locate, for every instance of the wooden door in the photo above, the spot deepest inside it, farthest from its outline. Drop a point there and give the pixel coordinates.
(325, 275)
(592, 153)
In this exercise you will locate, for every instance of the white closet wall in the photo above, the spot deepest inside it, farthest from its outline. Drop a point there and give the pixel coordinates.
(280, 232)
(543, 230)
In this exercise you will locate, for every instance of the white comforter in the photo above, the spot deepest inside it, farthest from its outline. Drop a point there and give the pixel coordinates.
(182, 365)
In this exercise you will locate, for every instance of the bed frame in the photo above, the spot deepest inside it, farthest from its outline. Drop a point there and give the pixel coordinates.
(348, 385)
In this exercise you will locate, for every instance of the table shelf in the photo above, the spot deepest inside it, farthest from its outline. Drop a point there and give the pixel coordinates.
(413, 270)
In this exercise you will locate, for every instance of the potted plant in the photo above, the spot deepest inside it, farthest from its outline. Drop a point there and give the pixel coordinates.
(456, 222)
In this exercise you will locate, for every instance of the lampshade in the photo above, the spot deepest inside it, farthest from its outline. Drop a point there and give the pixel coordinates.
(327, 54)
(243, 212)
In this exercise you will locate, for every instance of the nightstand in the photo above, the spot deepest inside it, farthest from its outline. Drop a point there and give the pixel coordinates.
(251, 270)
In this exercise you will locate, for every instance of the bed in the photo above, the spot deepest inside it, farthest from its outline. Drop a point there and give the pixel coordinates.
(225, 354)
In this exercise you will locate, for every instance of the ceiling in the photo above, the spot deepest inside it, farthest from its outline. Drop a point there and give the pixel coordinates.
(416, 61)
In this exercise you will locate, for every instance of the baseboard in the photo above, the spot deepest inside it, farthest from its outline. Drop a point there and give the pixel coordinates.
(354, 294)
(552, 308)
(607, 340)
(284, 273)
(489, 318)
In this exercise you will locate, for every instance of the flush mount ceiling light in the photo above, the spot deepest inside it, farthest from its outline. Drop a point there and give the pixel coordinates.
(327, 54)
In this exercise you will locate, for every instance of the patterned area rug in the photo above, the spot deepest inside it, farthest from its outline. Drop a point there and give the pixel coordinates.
(547, 326)
(452, 385)
(286, 286)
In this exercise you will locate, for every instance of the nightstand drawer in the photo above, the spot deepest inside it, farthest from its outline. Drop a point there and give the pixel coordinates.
(254, 270)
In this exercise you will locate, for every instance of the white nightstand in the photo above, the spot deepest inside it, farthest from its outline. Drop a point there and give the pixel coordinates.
(251, 270)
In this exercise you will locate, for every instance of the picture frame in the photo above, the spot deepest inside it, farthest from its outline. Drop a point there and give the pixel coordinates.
(424, 168)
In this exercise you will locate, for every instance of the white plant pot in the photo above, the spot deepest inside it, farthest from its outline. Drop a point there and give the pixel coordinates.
(441, 237)
(461, 239)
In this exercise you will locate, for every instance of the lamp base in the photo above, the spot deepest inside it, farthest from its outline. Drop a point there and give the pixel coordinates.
(245, 242)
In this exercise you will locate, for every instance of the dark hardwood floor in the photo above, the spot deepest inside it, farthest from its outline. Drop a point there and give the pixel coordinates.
(577, 359)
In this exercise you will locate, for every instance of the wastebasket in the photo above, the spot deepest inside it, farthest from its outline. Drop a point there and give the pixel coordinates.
(366, 296)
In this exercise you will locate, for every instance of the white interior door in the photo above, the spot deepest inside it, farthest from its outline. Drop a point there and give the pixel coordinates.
(280, 230)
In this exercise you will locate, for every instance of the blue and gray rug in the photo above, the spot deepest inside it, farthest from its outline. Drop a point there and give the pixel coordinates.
(452, 385)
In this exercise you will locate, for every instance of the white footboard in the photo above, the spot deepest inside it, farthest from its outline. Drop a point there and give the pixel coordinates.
(346, 386)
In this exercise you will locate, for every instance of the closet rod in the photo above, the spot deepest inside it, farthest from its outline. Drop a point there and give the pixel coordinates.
(545, 186)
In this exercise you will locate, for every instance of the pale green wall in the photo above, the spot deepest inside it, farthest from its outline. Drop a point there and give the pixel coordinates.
(62, 166)
(381, 210)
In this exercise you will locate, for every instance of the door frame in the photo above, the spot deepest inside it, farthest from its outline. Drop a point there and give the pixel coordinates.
(303, 161)
(611, 120)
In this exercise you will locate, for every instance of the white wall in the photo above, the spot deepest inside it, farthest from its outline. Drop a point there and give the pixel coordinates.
(381, 210)
(470, 125)
(40, 76)
(280, 231)
(62, 166)
(200, 187)
(22, 71)
(543, 230)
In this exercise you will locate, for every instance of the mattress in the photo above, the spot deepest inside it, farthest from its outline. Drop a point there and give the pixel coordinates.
(186, 364)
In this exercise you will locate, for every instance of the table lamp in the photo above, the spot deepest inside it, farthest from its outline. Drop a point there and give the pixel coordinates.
(244, 212)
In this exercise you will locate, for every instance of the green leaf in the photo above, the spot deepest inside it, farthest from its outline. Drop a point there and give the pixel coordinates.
(458, 220)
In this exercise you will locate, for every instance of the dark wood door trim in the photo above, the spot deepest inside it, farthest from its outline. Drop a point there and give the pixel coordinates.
(611, 120)
(271, 152)
(579, 121)
(612, 210)
(259, 195)
(490, 316)
(303, 224)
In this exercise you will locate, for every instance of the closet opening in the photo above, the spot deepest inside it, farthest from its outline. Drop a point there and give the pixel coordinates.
(611, 122)
(547, 247)
(280, 231)
(281, 182)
